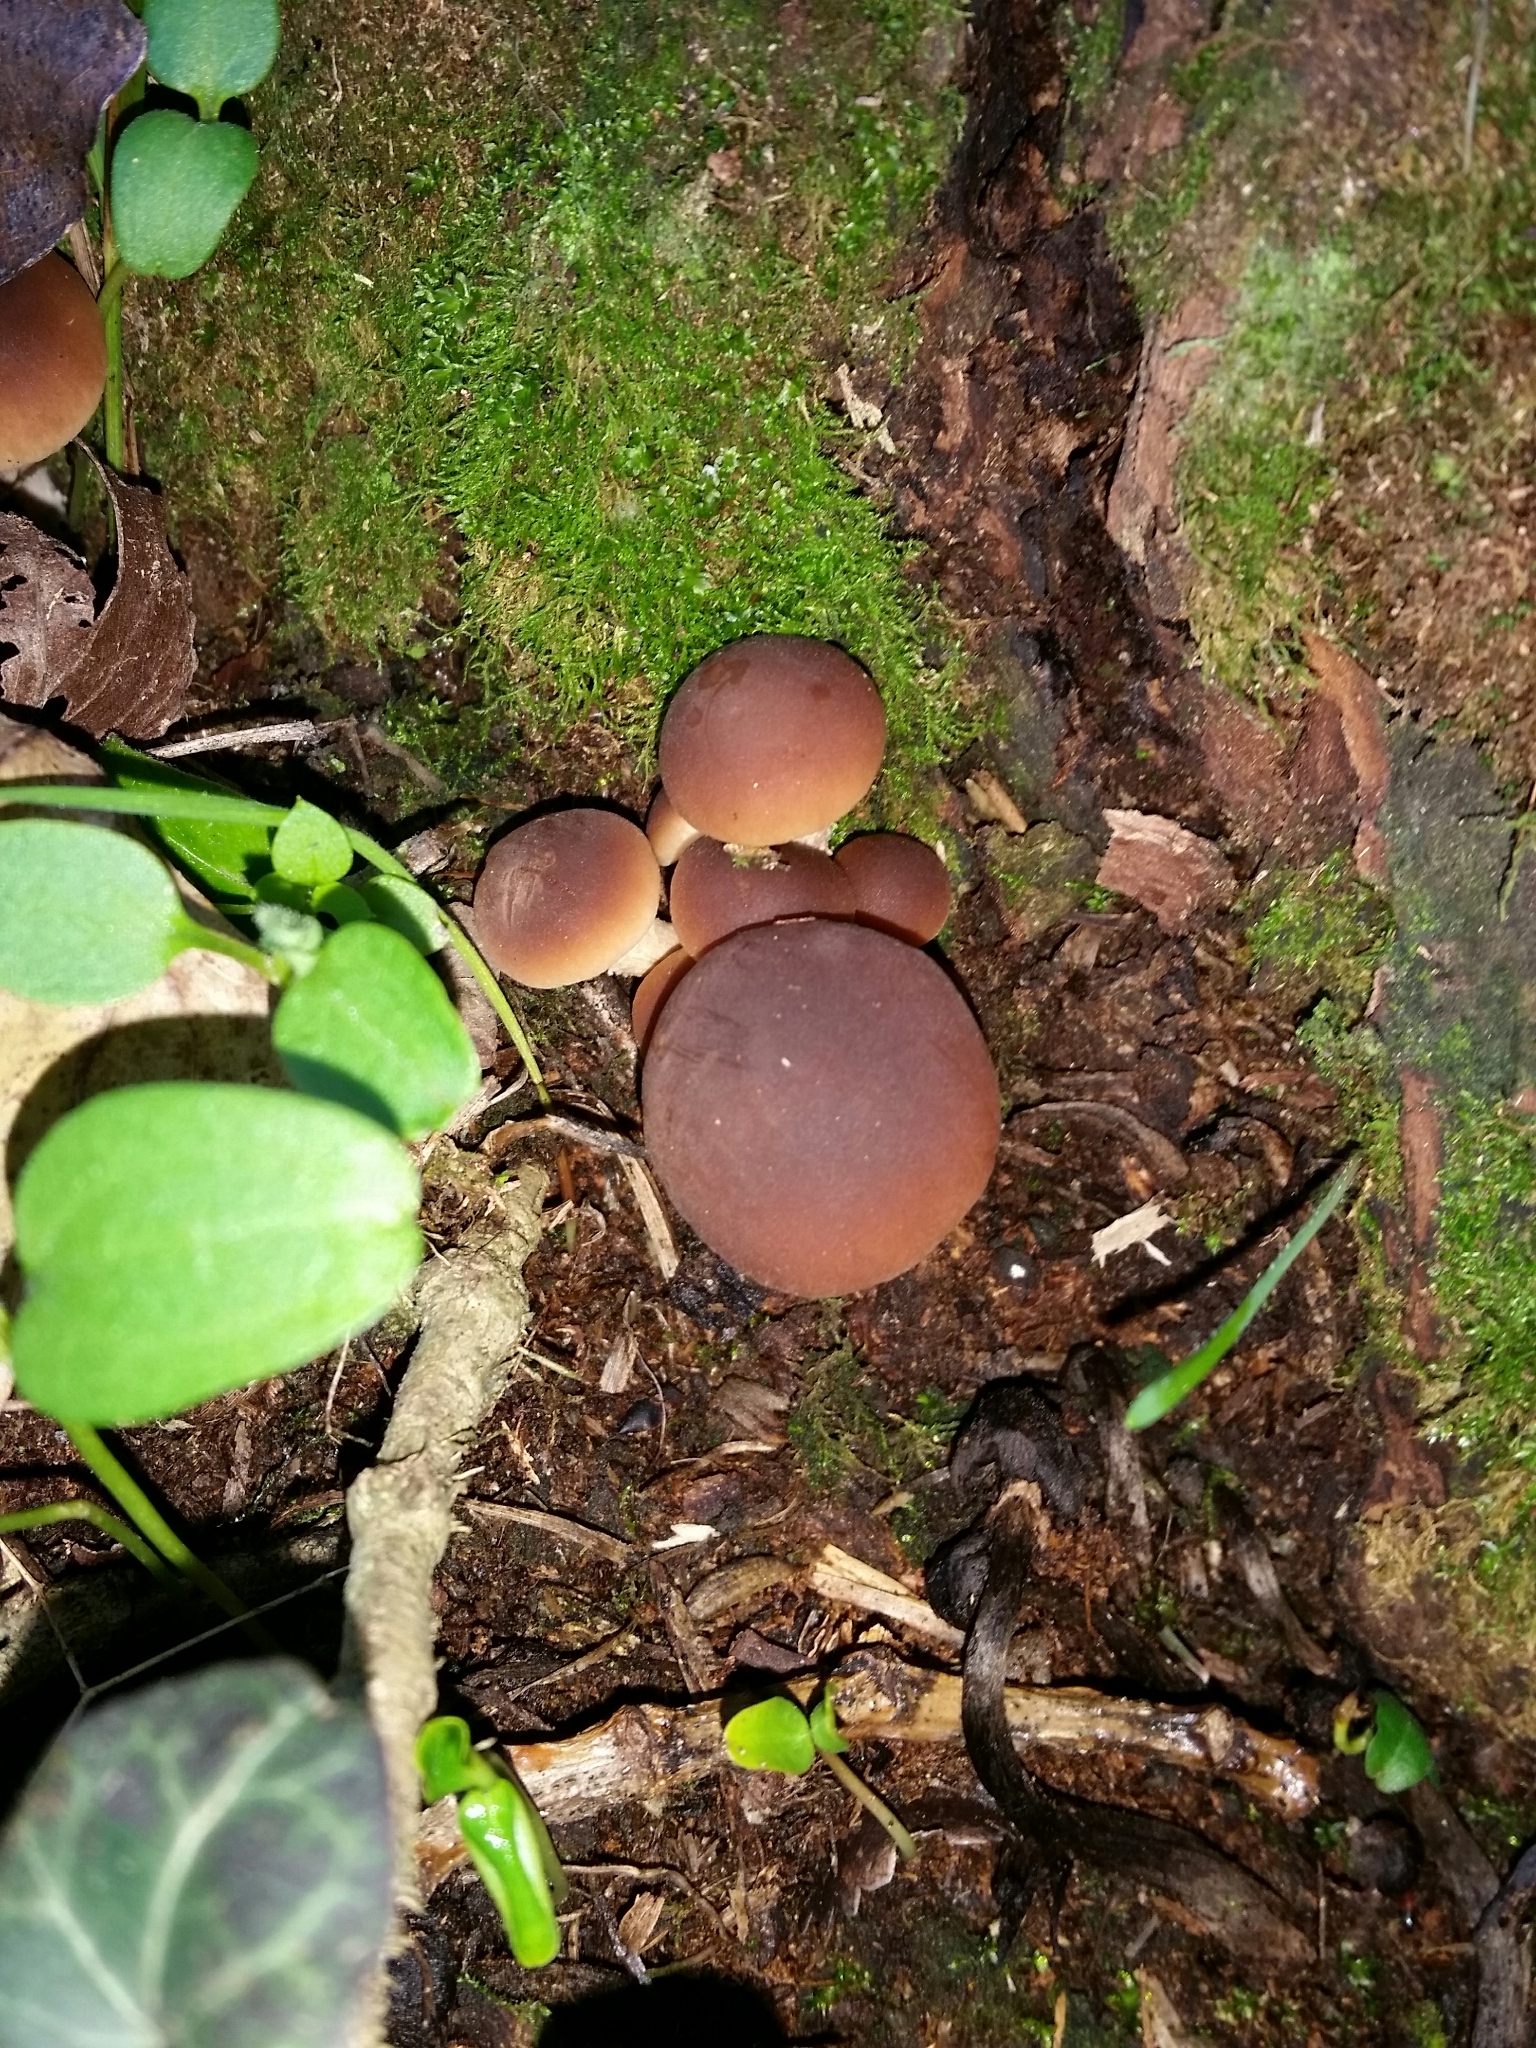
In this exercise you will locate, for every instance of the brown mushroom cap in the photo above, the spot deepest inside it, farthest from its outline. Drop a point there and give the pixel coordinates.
(715, 893)
(653, 992)
(771, 738)
(667, 829)
(561, 898)
(819, 1104)
(900, 886)
(53, 360)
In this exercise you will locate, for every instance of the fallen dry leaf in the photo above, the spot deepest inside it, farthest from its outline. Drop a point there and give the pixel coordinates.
(64, 59)
(128, 668)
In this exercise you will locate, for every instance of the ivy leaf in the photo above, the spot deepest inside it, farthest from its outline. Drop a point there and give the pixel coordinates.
(371, 1025)
(175, 184)
(205, 1863)
(184, 1237)
(408, 910)
(86, 915)
(226, 860)
(1399, 1754)
(310, 847)
(772, 1736)
(212, 50)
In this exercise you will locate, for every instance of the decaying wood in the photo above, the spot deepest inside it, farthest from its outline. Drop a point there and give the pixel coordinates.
(651, 1753)
(474, 1314)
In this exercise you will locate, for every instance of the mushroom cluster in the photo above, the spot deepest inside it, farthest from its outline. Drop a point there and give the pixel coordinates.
(819, 1103)
(53, 361)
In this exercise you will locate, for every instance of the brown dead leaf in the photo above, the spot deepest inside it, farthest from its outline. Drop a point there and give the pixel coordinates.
(64, 59)
(641, 1921)
(126, 670)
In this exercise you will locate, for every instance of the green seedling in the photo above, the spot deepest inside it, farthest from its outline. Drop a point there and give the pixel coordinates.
(1396, 1749)
(205, 1862)
(212, 50)
(1165, 1393)
(175, 185)
(776, 1734)
(504, 1833)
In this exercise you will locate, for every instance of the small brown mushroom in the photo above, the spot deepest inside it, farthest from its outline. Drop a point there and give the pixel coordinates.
(53, 360)
(668, 831)
(563, 897)
(900, 885)
(819, 1104)
(715, 892)
(653, 992)
(771, 738)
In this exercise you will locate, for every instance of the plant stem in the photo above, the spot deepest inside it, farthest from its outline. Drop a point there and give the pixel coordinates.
(87, 1511)
(114, 412)
(141, 1510)
(210, 941)
(871, 1802)
(472, 957)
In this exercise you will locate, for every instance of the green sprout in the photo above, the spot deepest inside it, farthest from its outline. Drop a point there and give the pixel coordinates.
(1396, 1749)
(504, 1833)
(1166, 1392)
(776, 1734)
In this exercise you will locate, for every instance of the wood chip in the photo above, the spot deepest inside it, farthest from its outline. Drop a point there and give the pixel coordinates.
(1164, 868)
(1139, 1227)
(561, 1527)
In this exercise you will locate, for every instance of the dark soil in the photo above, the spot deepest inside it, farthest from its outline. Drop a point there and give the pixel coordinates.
(1136, 1062)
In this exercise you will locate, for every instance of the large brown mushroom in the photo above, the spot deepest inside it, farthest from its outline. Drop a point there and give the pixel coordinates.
(715, 892)
(53, 361)
(771, 738)
(819, 1104)
(900, 886)
(668, 831)
(566, 896)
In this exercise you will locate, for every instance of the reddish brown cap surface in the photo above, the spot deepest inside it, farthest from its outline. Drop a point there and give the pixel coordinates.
(667, 829)
(53, 361)
(714, 894)
(820, 1105)
(653, 992)
(561, 898)
(900, 886)
(771, 738)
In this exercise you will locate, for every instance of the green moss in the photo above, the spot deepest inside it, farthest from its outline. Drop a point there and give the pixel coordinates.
(1485, 1271)
(1320, 928)
(604, 364)
(1041, 877)
(840, 1427)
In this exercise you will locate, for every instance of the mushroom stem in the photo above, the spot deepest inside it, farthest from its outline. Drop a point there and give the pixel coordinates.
(652, 945)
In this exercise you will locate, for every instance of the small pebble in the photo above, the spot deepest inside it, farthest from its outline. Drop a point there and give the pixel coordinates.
(643, 1416)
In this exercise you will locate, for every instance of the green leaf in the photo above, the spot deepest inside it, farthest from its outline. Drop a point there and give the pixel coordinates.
(86, 915)
(1169, 1388)
(371, 1026)
(408, 909)
(205, 1863)
(510, 1847)
(310, 847)
(211, 50)
(772, 1736)
(343, 905)
(1399, 1754)
(145, 803)
(175, 183)
(225, 860)
(823, 1725)
(447, 1759)
(185, 1237)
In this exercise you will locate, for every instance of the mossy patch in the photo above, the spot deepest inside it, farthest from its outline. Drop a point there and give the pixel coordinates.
(1041, 877)
(590, 326)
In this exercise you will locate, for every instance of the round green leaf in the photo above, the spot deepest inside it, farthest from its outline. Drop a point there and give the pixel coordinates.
(310, 847)
(86, 915)
(211, 49)
(1399, 1754)
(341, 904)
(408, 909)
(772, 1736)
(226, 860)
(185, 1237)
(371, 1026)
(175, 183)
(203, 1864)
